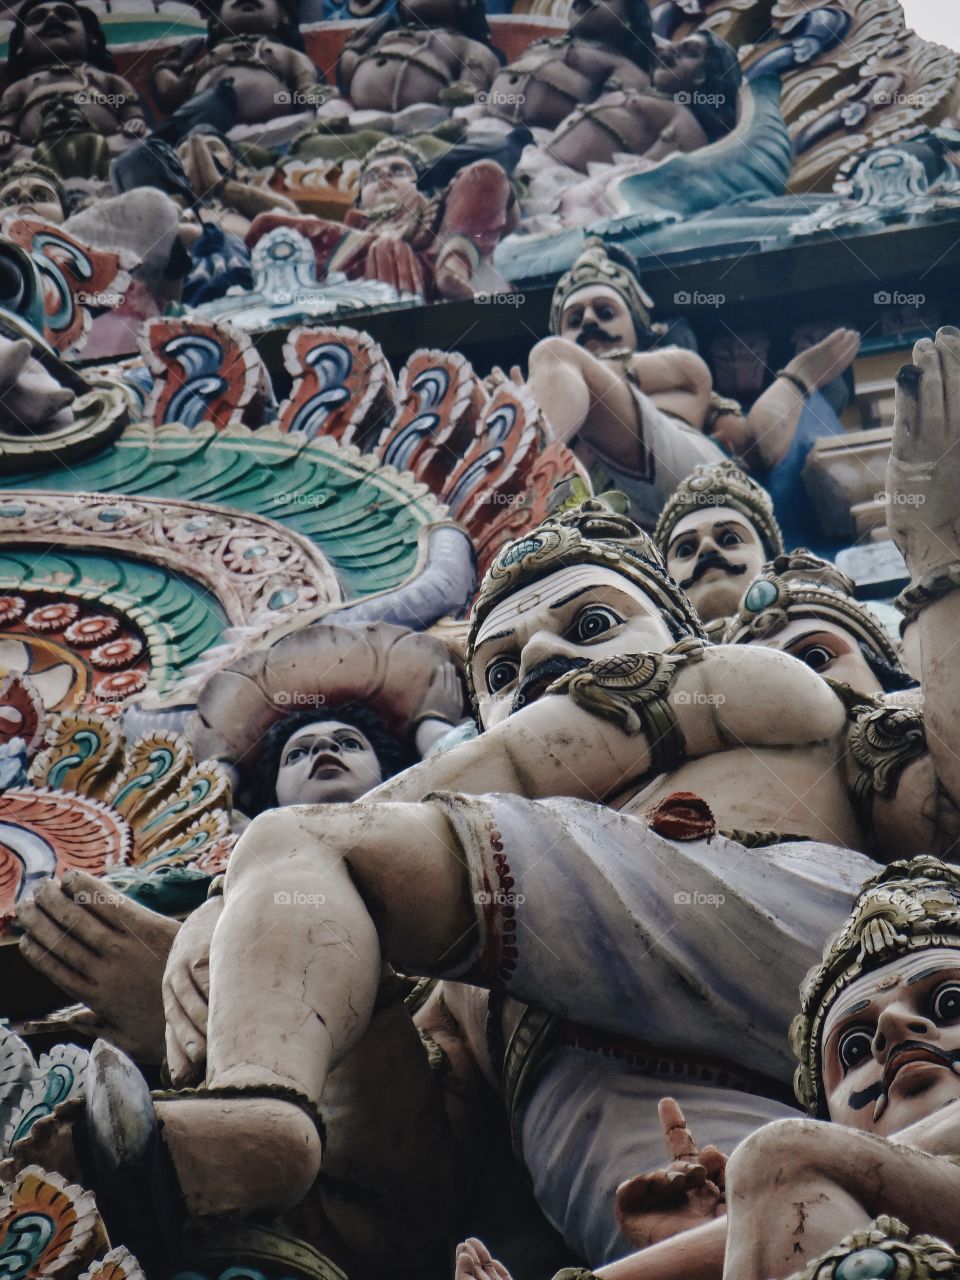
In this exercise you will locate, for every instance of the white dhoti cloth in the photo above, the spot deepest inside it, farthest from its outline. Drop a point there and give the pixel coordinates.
(669, 449)
(694, 950)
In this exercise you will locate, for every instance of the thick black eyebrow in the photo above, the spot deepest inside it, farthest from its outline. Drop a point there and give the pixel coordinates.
(854, 1008)
(501, 635)
(928, 973)
(580, 591)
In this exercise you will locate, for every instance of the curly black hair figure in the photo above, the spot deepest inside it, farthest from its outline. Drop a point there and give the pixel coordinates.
(390, 751)
(98, 55)
(716, 102)
(288, 31)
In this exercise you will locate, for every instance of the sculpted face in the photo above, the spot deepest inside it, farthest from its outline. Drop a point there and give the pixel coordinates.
(54, 32)
(32, 194)
(597, 318)
(827, 648)
(251, 17)
(714, 552)
(326, 763)
(891, 1043)
(681, 67)
(388, 181)
(570, 618)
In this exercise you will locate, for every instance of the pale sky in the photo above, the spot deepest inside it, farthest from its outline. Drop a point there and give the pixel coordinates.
(935, 20)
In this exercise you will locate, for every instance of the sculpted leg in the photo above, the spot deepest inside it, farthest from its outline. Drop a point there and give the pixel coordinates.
(313, 898)
(797, 1187)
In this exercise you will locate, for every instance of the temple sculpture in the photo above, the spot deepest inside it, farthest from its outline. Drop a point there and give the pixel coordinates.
(479, 544)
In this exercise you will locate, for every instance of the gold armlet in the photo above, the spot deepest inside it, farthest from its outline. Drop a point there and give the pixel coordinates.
(631, 690)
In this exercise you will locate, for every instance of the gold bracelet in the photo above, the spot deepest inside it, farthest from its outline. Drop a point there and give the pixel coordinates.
(931, 587)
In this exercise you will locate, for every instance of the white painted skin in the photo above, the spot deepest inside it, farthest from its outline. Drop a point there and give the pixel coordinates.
(720, 530)
(326, 763)
(581, 612)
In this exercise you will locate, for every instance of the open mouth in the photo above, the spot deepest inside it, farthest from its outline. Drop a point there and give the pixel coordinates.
(325, 767)
(911, 1051)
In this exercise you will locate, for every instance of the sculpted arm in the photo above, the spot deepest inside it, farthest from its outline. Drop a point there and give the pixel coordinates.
(555, 748)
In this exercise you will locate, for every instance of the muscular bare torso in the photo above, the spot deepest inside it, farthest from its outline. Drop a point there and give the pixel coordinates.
(553, 77)
(413, 65)
(634, 122)
(105, 99)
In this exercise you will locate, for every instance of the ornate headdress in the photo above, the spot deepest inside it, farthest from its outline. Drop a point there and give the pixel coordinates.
(593, 267)
(801, 585)
(720, 484)
(908, 907)
(591, 533)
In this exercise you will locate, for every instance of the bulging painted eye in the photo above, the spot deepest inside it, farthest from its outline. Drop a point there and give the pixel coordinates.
(500, 673)
(817, 656)
(856, 1045)
(945, 1003)
(592, 622)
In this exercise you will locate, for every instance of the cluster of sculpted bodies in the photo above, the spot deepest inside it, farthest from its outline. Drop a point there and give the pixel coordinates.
(632, 781)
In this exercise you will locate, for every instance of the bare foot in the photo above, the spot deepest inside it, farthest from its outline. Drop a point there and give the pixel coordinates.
(475, 1263)
(820, 364)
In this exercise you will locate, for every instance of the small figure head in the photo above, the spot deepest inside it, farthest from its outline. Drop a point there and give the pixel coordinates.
(316, 758)
(702, 72)
(46, 32)
(625, 25)
(388, 177)
(715, 532)
(805, 606)
(33, 190)
(599, 303)
(274, 18)
(878, 1036)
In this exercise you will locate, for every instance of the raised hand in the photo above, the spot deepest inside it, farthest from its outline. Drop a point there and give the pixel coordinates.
(689, 1191)
(475, 1263)
(923, 474)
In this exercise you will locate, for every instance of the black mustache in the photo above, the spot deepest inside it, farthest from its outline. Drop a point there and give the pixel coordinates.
(544, 673)
(712, 560)
(591, 331)
(862, 1098)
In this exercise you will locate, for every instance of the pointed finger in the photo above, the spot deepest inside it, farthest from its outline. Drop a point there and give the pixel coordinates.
(932, 398)
(679, 1142)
